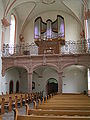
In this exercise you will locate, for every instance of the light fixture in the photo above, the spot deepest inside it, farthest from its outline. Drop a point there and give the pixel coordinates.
(48, 1)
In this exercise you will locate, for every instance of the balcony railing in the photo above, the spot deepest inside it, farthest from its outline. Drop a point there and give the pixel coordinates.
(70, 47)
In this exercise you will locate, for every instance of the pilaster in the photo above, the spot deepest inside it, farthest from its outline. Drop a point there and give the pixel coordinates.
(29, 82)
(60, 82)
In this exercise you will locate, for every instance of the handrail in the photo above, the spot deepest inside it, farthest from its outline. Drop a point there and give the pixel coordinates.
(70, 47)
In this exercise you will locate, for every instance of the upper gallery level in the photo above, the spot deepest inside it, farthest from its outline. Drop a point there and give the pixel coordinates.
(45, 27)
(50, 47)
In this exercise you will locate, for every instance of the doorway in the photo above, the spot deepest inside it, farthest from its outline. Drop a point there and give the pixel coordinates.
(52, 86)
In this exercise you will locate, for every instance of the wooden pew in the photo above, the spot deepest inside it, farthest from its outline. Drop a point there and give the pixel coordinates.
(0, 117)
(14, 100)
(56, 112)
(7, 102)
(51, 117)
(2, 105)
(66, 103)
(71, 97)
(63, 107)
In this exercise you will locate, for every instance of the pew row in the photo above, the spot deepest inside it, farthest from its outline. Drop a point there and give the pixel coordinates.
(9, 101)
(63, 107)
(36, 117)
(56, 112)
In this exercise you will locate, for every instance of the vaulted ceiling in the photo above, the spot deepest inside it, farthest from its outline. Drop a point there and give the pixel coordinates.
(27, 9)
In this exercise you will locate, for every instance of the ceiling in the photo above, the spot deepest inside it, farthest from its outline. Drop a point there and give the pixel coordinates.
(27, 9)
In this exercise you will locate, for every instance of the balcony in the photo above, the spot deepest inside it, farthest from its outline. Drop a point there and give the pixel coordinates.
(27, 56)
(70, 47)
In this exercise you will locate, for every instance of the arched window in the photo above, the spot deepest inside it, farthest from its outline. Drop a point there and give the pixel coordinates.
(12, 33)
(17, 87)
(11, 87)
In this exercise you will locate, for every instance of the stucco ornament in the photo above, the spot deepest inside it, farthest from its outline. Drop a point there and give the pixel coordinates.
(5, 22)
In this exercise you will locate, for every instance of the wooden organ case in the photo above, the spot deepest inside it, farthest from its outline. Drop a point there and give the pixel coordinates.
(49, 36)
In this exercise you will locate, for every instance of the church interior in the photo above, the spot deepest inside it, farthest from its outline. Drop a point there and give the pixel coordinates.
(45, 56)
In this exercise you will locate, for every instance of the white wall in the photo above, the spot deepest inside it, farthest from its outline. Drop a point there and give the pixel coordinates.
(89, 4)
(88, 79)
(11, 74)
(1, 16)
(74, 80)
(15, 74)
(72, 27)
(88, 28)
(23, 81)
(76, 6)
(40, 83)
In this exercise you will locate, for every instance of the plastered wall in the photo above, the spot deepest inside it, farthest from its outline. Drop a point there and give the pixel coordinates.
(1, 16)
(23, 81)
(41, 81)
(72, 27)
(74, 80)
(11, 74)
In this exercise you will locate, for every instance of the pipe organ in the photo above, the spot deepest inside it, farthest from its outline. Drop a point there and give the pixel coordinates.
(49, 36)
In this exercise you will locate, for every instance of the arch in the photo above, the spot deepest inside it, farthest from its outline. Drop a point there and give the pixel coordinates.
(14, 66)
(17, 86)
(70, 64)
(11, 87)
(52, 86)
(49, 65)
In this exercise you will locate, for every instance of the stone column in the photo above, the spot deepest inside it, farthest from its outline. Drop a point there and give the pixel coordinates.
(29, 82)
(60, 82)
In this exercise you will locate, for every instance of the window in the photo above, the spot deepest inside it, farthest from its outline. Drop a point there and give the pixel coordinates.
(33, 85)
(17, 87)
(12, 34)
(11, 87)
